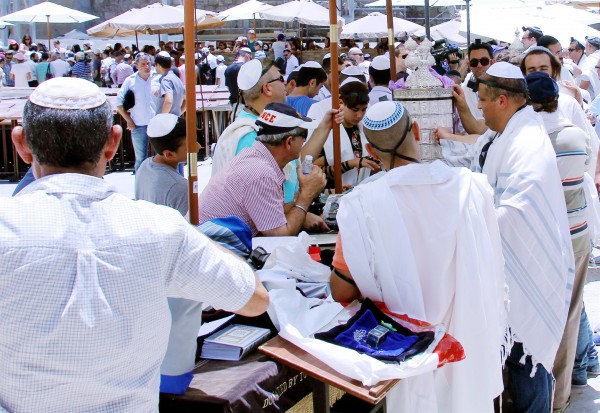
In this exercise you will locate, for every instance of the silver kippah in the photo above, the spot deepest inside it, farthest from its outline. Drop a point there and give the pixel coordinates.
(383, 115)
(67, 93)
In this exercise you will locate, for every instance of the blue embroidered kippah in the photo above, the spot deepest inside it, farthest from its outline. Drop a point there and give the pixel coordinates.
(382, 115)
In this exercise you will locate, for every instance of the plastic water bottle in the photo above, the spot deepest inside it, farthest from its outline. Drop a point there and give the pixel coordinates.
(307, 165)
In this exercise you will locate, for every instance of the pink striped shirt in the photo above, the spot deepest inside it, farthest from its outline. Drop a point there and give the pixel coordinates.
(249, 187)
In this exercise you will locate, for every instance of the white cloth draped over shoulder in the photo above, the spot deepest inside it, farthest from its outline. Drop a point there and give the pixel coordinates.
(228, 142)
(424, 239)
(530, 206)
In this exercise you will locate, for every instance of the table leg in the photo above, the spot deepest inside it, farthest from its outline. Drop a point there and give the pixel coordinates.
(4, 149)
(15, 154)
(320, 397)
(206, 144)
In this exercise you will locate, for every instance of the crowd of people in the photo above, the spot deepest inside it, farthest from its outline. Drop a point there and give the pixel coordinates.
(510, 215)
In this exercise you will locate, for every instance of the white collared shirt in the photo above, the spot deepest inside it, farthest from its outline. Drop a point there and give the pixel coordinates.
(146, 97)
(83, 294)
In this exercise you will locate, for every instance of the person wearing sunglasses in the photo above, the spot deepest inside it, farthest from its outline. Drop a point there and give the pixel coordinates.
(576, 52)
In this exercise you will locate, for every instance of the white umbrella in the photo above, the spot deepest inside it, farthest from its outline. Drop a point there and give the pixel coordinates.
(48, 12)
(246, 11)
(4, 25)
(153, 19)
(305, 11)
(375, 25)
(449, 30)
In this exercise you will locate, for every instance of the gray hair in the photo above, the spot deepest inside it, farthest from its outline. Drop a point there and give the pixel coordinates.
(67, 138)
(140, 56)
(278, 138)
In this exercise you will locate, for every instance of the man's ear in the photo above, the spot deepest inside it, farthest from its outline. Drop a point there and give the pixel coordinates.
(289, 141)
(112, 143)
(416, 131)
(18, 138)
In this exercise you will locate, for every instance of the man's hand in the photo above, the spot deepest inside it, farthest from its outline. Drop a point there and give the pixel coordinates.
(459, 98)
(442, 133)
(314, 222)
(332, 116)
(453, 57)
(574, 90)
(366, 163)
(312, 184)
(130, 124)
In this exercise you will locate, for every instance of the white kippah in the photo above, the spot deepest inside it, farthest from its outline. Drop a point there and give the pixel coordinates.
(382, 115)
(161, 125)
(164, 53)
(352, 71)
(505, 70)
(249, 74)
(381, 63)
(67, 93)
(327, 56)
(349, 80)
(312, 64)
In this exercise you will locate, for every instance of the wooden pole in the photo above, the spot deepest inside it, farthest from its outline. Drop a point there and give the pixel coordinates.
(335, 94)
(189, 31)
(391, 48)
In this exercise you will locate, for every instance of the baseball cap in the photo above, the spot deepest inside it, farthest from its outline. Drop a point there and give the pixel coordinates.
(12, 41)
(260, 55)
(220, 58)
(20, 56)
(80, 55)
(245, 49)
(280, 36)
(280, 118)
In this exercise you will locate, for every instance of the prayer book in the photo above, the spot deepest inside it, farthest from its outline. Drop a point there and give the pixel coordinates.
(233, 342)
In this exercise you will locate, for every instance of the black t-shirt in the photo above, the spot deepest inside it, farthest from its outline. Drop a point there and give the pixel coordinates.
(231, 74)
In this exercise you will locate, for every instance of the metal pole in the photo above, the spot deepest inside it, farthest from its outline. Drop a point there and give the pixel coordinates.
(335, 94)
(427, 22)
(468, 22)
(189, 31)
(391, 48)
(48, 30)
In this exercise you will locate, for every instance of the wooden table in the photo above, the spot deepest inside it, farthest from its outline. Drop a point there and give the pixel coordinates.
(293, 356)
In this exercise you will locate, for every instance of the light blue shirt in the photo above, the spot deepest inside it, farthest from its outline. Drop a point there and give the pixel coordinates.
(146, 97)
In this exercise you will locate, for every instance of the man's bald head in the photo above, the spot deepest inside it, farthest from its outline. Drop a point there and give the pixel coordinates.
(392, 135)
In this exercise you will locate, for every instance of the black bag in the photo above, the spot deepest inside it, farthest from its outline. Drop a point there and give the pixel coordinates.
(129, 100)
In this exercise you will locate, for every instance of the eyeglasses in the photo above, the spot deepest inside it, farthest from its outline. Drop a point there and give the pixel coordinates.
(277, 79)
(484, 62)
(596, 67)
(571, 50)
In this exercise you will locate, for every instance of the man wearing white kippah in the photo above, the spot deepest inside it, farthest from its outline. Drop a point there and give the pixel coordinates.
(84, 286)
(520, 163)
(412, 201)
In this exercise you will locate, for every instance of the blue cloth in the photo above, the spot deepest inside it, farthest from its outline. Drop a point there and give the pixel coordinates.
(231, 232)
(392, 345)
(586, 356)
(397, 346)
(301, 103)
(529, 394)
(140, 139)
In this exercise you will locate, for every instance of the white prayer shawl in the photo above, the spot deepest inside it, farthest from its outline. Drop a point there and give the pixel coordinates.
(352, 177)
(229, 140)
(570, 109)
(472, 99)
(424, 239)
(530, 206)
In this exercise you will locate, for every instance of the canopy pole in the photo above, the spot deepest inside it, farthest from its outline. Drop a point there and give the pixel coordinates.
(335, 94)
(48, 30)
(189, 31)
(468, 22)
(137, 45)
(391, 48)
(427, 22)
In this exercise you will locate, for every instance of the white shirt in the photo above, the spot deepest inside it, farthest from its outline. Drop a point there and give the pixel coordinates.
(278, 47)
(472, 98)
(146, 97)
(324, 93)
(20, 71)
(290, 65)
(32, 66)
(83, 294)
(590, 73)
(379, 94)
(60, 67)
(220, 74)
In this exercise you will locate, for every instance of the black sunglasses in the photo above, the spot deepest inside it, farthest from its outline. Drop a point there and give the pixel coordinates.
(277, 79)
(484, 62)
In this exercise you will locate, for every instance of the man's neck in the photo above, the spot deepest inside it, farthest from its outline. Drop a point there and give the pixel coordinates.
(162, 160)
(299, 91)
(144, 75)
(257, 105)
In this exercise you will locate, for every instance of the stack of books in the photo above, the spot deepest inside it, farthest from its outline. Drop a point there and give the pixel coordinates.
(233, 342)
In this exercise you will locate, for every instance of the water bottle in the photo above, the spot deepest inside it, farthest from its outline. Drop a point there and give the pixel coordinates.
(307, 165)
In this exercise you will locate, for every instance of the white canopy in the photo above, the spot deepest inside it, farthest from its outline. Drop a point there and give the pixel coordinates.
(245, 11)
(432, 3)
(502, 24)
(449, 30)
(153, 19)
(305, 11)
(4, 25)
(375, 25)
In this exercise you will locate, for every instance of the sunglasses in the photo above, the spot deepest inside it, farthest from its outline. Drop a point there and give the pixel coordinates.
(277, 79)
(484, 62)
